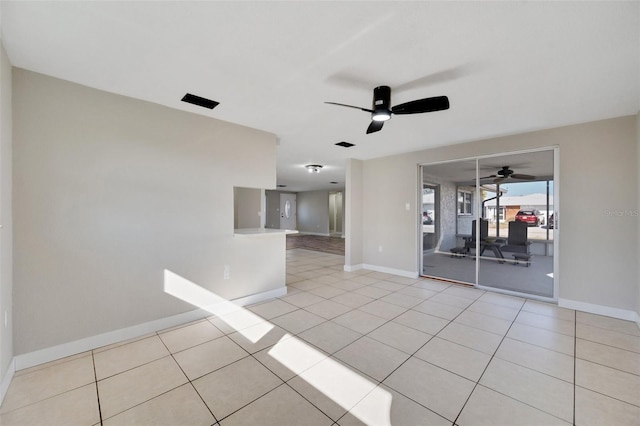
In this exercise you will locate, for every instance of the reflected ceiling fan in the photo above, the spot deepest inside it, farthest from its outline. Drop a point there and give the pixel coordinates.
(381, 108)
(505, 173)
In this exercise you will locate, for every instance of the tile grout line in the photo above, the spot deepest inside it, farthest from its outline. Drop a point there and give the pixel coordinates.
(284, 382)
(188, 379)
(331, 355)
(417, 350)
(157, 334)
(95, 375)
(488, 363)
(503, 337)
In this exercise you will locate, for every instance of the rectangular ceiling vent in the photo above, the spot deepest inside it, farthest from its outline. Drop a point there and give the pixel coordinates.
(345, 144)
(200, 101)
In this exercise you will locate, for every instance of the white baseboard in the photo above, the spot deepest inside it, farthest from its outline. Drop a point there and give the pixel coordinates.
(352, 268)
(6, 379)
(400, 272)
(53, 353)
(321, 234)
(607, 311)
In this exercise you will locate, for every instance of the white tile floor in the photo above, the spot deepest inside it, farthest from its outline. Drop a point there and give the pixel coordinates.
(349, 349)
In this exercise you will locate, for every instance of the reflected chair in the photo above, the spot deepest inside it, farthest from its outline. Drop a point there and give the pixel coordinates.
(517, 242)
(470, 242)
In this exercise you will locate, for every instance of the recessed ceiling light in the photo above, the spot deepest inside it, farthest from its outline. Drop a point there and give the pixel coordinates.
(345, 144)
(313, 168)
(200, 101)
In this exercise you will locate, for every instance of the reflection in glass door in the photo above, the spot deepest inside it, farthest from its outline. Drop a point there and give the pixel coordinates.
(493, 222)
(517, 203)
(429, 217)
(450, 227)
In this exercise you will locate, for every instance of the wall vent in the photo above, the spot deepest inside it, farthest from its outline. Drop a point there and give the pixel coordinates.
(345, 144)
(200, 101)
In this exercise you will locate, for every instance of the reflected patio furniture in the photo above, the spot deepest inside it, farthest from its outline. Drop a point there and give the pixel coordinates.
(486, 242)
(495, 245)
(459, 252)
(470, 242)
(522, 257)
(517, 242)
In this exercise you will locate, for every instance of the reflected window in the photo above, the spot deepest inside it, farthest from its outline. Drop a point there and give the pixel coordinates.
(465, 201)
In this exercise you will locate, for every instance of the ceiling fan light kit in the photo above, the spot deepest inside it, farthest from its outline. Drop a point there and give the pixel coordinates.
(381, 101)
(381, 109)
(313, 168)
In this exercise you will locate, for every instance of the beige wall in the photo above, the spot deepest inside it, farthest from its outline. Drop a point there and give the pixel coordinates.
(6, 237)
(313, 212)
(108, 193)
(353, 205)
(598, 174)
(247, 207)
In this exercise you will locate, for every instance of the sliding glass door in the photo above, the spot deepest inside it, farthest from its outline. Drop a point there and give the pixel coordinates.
(495, 226)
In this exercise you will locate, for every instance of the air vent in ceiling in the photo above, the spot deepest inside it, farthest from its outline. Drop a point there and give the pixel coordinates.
(281, 186)
(200, 101)
(345, 144)
(334, 183)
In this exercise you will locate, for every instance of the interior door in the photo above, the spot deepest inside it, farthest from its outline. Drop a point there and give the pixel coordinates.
(288, 216)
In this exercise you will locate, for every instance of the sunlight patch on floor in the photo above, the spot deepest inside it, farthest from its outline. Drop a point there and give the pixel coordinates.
(334, 380)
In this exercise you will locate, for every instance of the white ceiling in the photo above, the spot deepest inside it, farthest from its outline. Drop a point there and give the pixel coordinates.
(507, 67)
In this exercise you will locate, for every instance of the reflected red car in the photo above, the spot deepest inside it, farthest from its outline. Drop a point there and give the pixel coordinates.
(530, 217)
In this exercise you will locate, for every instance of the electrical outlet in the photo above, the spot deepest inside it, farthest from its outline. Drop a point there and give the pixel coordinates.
(227, 272)
(380, 249)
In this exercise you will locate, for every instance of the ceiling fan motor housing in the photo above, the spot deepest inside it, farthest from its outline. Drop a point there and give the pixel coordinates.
(381, 103)
(505, 171)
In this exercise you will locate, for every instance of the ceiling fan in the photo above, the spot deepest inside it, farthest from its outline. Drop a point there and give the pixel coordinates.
(506, 173)
(381, 110)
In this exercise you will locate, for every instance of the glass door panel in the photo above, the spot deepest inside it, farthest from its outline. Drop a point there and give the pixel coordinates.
(516, 202)
(448, 211)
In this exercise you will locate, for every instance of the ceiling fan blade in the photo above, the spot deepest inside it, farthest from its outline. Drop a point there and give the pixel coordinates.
(522, 177)
(437, 103)
(500, 180)
(350, 106)
(488, 177)
(375, 126)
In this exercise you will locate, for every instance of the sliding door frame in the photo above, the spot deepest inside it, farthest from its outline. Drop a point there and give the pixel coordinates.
(477, 204)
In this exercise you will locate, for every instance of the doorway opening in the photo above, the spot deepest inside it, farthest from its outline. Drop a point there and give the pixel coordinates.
(336, 214)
